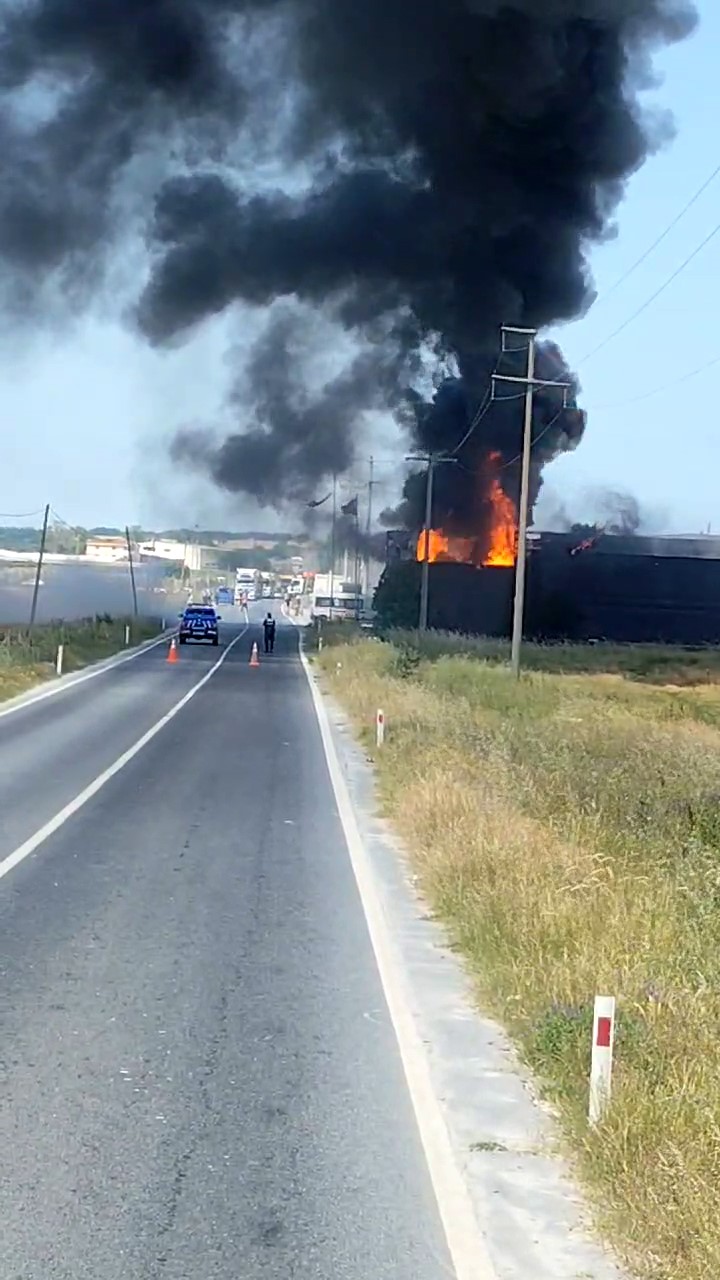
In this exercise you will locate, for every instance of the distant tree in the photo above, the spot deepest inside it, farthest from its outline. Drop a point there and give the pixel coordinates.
(397, 595)
(19, 538)
(67, 541)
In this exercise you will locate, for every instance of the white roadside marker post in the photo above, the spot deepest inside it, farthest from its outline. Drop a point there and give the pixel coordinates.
(59, 659)
(127, 634)
(380, 727)
(602, 1056)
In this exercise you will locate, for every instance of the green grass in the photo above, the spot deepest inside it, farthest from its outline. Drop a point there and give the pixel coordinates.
(567, 829)
(27, 656)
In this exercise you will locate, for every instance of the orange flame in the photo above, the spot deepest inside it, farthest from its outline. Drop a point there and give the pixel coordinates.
(503, 534)
(503, 538)
(444, 547)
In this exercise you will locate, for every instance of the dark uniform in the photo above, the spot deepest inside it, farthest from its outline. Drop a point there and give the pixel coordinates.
(269, 633)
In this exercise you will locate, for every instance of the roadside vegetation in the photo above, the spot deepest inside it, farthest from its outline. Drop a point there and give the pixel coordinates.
(567, 829)
(27, 657)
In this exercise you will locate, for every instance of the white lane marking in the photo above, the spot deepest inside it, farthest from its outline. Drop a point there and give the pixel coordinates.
(33, 842)
(466, 1244)
(69, 682)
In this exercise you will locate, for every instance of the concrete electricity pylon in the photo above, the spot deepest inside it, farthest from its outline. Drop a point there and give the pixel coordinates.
(530, 383)
(431, 460)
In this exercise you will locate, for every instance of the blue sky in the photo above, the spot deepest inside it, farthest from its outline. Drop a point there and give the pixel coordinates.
(85, 416)
(664, 449)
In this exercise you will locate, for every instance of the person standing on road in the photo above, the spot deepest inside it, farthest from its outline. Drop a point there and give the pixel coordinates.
(269, 633)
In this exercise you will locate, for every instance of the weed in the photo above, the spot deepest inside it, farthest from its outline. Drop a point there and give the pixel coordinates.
(27, 656)
(566, 828)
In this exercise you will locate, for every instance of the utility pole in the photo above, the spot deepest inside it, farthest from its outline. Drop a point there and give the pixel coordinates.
(38, 579)
(132, 570)
(368, 524)
(431, 460)
(425, 579)
(521, 562)
(332, 548)
(356, 569)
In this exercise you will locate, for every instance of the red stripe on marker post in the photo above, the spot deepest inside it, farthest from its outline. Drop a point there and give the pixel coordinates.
(604, 1033)
(601, 1063)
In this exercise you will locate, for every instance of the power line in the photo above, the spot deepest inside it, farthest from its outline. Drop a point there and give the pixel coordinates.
(656, 391)
(483, 407)
(491, 398)
(653, 297)
(59, 519)
(663, 235)
(475, 423)
(20, 515)
(75, 529)
(537, 439)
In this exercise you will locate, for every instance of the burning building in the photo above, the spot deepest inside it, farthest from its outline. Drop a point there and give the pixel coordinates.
(496, 542)
(475, 500)
(628, 589)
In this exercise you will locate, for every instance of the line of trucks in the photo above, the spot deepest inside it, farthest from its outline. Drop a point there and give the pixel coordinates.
(327, 596)
(253, 584)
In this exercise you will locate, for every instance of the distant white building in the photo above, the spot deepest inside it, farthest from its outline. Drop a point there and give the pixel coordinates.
(106, 550)
(164, 549)
(189, 554)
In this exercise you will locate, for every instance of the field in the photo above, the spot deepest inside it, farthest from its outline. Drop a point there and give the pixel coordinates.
(28, 657)
(567, 829)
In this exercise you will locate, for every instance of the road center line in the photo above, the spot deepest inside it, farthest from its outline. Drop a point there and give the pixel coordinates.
(33, 842)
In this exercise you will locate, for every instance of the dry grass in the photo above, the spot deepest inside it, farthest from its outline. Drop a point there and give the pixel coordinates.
(568, 830)
(28, 657)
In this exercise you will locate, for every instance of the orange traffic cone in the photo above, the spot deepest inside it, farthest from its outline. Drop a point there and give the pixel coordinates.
(172, 651)
(254, 659)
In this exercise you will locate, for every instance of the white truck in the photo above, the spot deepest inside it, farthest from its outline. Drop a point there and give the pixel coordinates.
(246, 585)
(345, 603)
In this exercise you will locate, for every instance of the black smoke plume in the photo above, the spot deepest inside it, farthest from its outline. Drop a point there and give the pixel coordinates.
(88, 91)
(293, 435)
(349, 536)
(453, 161)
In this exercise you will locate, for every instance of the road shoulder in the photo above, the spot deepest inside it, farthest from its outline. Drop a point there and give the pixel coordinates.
(531, 1217)
(59, 684)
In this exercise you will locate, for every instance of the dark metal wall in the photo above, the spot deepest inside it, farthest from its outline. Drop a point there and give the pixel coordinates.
(618, 597)
(672, 599)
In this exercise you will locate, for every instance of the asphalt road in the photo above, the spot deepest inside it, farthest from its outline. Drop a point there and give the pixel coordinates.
(198, 1075)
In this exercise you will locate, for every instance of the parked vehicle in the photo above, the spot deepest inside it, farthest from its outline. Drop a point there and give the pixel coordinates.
(345, 604)
(246, 584)
(199, 622)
